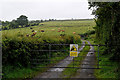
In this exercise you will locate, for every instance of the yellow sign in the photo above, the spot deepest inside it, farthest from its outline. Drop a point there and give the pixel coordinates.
(74, 54)
(74, 50)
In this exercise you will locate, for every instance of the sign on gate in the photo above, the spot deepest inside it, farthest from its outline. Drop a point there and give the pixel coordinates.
(74, 50)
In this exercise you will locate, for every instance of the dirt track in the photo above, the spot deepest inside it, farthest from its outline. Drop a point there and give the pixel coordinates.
(88, 62)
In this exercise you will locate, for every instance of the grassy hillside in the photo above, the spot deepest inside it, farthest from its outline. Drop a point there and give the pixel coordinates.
(51, 29)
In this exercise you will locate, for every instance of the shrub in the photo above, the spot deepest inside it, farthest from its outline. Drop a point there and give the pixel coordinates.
(18, 53)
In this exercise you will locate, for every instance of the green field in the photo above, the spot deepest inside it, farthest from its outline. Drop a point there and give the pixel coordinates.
(51, 29)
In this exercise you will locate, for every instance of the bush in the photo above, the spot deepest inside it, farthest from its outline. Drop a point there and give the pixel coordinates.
(18, 53)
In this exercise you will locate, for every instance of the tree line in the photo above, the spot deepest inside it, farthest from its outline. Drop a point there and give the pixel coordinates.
(107, 18)
(21, 22)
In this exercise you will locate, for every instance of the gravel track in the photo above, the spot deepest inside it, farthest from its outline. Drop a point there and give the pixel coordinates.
(87, 66)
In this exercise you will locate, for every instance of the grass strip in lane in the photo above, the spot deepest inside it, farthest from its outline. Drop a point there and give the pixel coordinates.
(69, 72)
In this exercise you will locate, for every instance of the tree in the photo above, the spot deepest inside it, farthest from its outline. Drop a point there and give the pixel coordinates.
(13, 24)
(107, 25)
(41, 20)
(22, 20)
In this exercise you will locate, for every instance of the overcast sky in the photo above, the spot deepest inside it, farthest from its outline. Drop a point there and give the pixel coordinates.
(44, 9)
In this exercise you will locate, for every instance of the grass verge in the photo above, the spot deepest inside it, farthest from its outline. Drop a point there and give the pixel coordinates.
(13, 72)
(109, 69)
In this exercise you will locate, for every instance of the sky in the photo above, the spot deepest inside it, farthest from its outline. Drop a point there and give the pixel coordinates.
(44, 9)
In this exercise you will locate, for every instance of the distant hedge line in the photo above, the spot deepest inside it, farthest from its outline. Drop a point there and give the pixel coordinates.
(87, 33)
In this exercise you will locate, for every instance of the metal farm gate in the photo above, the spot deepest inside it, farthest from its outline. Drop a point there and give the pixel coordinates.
(58, 56)
(50, 57)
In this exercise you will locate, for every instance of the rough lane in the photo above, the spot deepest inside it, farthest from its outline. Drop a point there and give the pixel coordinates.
(56, 72)
(88, 62)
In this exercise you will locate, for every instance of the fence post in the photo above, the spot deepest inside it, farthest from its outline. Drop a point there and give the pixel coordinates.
(73, 62)
(49, 53)
(98, 57)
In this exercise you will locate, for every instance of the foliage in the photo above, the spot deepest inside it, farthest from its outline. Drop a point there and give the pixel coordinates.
(108, 32)
(22, 20)
(107, 26)
(109, 69)
(18, 52)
